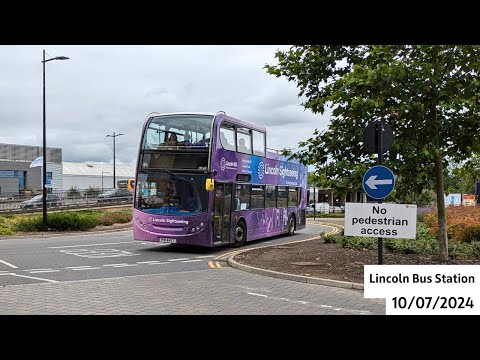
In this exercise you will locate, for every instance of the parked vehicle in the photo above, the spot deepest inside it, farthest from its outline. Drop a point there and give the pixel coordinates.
(320, 208)
(115, 195)
(337, 208)
(37, 201)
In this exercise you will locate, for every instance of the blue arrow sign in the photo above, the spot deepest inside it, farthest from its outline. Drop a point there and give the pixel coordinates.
(378, 182)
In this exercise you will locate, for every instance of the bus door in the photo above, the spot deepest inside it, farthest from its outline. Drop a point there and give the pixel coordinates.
(222, 210)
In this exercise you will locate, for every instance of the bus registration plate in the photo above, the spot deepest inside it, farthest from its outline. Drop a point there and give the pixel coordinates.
(168, 240)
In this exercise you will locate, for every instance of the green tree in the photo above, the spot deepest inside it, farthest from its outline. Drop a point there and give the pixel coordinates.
(428, 94)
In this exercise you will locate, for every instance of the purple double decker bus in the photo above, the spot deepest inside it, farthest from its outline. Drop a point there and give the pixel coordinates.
(208, 180)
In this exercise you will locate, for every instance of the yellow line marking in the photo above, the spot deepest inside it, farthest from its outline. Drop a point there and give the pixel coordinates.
(218, 265)
(210, 264)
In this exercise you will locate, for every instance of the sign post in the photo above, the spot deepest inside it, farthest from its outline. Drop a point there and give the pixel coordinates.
(378, 137)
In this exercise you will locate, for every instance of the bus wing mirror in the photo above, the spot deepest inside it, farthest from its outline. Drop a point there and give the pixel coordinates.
(209, 184)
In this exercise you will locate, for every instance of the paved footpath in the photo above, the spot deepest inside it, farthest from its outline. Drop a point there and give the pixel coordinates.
(212, 291)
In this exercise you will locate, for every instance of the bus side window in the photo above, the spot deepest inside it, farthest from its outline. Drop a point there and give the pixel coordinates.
(244, 140)
(227, 137)
(258, 143)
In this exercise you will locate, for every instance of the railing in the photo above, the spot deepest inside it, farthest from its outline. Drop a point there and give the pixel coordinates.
(11, 203)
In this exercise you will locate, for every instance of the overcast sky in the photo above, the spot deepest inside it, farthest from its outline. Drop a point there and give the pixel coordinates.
(106, 89)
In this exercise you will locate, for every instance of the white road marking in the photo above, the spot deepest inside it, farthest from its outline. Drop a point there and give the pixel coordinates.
(31, 277)
(115, 264)
(92, 268)
(250, 293)
(301, 302)
(362, 312)
(77, 267)
(181, 259)
(204, 256)
(121, 265)
(8, 264)
(189, 261)
(148, 262)
(5, 273)
(160, 263)
(98, 253)
(115, 243)
(43, 271)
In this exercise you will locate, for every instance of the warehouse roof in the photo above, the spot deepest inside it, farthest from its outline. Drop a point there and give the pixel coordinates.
(95, 169)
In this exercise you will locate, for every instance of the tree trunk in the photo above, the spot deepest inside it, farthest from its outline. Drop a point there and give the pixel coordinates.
(442, 230)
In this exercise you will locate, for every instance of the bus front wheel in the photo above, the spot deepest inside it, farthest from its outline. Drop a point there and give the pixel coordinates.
(240, 234)
(291, 226)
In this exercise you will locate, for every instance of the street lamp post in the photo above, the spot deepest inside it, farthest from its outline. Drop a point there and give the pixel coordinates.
(104, 172)
(114, 136)
(44, 168)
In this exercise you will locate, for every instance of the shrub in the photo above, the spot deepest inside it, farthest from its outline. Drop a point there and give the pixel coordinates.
(330, 238)
(470, 234)
(458, 219)
(92, 191)
(358, 242)
(73, 192)
(117, 217)
(29, 223)
(6, 231)
(71, 221)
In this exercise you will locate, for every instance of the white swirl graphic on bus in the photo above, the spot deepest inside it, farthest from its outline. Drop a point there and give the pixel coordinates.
(261, 170)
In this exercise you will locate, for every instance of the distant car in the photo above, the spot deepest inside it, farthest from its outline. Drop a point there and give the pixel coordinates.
(337, 207)
(320, 208)
(37, 201)
(115, 195)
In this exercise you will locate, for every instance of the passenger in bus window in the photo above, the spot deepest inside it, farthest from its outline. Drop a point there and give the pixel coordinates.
(241, 146)
(187, 140)
(172, 140)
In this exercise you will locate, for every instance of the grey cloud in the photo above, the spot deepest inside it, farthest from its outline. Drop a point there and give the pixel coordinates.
(102, 89)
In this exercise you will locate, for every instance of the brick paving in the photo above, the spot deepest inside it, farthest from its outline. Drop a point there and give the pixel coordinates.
(213, 291)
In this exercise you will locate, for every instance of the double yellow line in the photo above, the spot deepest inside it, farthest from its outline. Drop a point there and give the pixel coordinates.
(214, 265)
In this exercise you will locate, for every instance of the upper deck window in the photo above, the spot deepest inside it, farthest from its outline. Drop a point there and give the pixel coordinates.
(179, 131)
(244, 140)
(227, 136)
(258, 143)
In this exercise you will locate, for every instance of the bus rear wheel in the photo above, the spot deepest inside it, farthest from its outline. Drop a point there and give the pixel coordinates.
(240, 235)
(291, 226)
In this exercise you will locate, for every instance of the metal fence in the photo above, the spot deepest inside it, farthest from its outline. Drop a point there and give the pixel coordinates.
(68, 199)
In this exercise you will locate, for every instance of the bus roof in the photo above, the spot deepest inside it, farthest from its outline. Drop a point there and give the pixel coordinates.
(245, 123)
(237, 121)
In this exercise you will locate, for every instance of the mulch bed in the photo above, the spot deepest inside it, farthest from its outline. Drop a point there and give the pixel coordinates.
(330, 261)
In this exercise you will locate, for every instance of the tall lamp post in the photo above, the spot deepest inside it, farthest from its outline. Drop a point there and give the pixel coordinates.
(104, 172)
(44, 170)
(114, 136)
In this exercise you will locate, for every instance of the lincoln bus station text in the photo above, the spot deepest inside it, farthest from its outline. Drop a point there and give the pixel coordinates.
(421, 279)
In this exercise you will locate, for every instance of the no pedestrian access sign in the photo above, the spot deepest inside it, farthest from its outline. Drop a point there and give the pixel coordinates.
(378, 182)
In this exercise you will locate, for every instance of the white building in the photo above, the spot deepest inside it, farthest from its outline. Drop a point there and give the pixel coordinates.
(86, 175)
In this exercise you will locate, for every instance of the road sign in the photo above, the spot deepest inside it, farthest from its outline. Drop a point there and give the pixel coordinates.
(381, 220)
(378, 182)
(371, 137)
(48, 182)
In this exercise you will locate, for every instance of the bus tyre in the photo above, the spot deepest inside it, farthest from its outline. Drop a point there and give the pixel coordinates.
(240, 235)
(291, 226)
